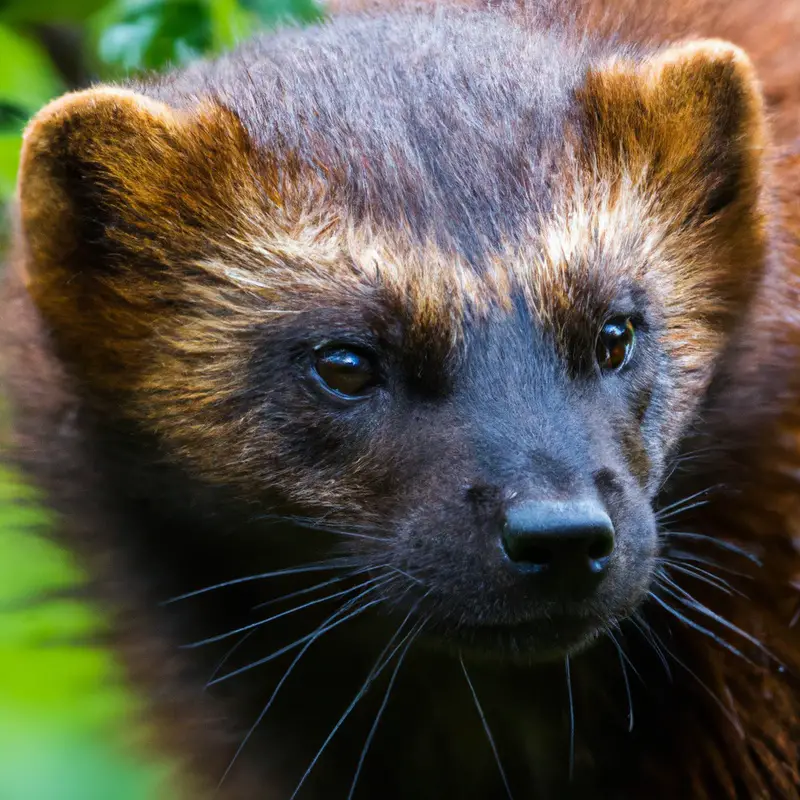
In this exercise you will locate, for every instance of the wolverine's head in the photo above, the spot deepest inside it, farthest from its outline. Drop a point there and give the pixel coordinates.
(448, 286)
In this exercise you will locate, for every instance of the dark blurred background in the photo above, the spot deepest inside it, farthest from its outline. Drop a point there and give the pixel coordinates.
(67, 722)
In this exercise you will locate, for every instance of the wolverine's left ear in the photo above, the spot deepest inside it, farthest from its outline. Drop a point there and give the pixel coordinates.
(689, 121)
(108, 175)
(120, 197)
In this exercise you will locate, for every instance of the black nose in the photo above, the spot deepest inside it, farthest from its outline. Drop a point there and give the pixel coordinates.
(573, 538)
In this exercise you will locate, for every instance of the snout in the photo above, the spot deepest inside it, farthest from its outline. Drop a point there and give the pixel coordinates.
(563, 546)
(533, 571)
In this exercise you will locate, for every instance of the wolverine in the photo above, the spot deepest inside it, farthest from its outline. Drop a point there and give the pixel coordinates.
(421, 393)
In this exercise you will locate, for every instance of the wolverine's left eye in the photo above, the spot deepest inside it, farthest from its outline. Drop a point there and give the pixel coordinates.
(615, 344)
(343, 372)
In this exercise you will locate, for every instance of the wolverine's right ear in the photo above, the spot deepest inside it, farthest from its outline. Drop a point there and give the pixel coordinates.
(109, 178)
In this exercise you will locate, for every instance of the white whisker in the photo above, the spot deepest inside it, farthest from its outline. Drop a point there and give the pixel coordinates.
(622, 659)
(380, 664)
(319, 566)
(331, 622)
(571, 703)
(382, 708)
(486, 728)
(259, 623)
(311, 636)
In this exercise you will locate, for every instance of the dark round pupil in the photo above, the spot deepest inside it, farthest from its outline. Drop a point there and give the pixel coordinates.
(615, 343)
(344, 371)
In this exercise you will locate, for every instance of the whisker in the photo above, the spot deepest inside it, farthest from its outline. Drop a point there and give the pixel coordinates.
(309, 638)
(693, 455)
(668, 474)
(795, 618)
(662, 512)
(682, 596)
(622, 659)
(408, 575)
(311, 523)
(317, 586)
(650, 636)
(228, 656)
(321, 520)
(316, 601)
(486, 728)
(680, 461)
(700, 629)
(628, 660)
(721, 543)
(663, 517)
(380, 664)
(683, 555)
(319, 566)
(382, 708)
(330, 623)
(725, 710)
(702, 575)
(571, 704)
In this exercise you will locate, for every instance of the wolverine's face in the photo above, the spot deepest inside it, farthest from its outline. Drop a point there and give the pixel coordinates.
(461, 320)
(505, 474)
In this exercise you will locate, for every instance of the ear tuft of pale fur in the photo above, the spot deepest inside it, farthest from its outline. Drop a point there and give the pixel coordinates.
(690, 118)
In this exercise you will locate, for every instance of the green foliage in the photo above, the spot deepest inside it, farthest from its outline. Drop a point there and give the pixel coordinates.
(274, 12)
(62, 705)
(9, 158)
(27, 80)
(132, 35)
(48, 11)
(149, 33)
(65, 717)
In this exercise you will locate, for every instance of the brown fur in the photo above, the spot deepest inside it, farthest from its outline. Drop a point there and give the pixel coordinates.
(147, 317)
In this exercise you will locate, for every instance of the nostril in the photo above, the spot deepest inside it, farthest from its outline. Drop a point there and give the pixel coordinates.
(524, 549)
(600, 547)
(538, 556)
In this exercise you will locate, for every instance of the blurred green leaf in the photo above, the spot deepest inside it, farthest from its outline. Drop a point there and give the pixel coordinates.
(9, 159)
(44, 762)
(63, 710)
(27, 78)
(231, 23)
(140, 35)
(27, 81)
(273, 12)
(48, 10)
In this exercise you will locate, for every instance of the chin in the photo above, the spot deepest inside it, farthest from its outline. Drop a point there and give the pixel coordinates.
(549, 636)
(530, 644)
(545, 640)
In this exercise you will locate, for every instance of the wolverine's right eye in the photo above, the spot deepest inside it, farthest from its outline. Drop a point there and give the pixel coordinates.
(345, 373)
(615, 344)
